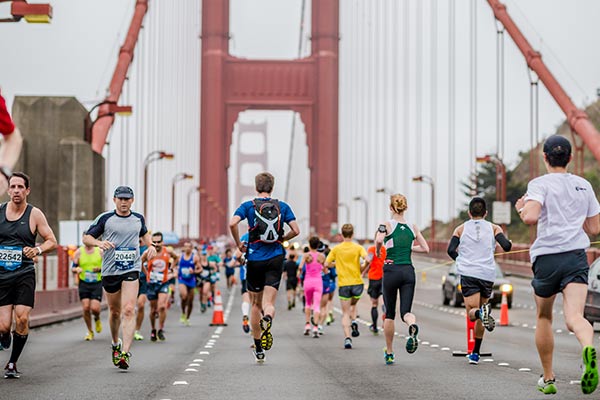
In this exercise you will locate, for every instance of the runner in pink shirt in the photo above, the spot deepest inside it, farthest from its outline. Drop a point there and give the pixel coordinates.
(313, 285)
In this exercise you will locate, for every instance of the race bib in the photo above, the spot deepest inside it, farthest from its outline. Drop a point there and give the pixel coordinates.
(90, 276)
(156, 276)
(125, 257)
(186, 272)
(11, 257)
(204, 274)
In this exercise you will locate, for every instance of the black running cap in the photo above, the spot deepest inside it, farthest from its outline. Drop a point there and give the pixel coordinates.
(557, 144)
(124, 192)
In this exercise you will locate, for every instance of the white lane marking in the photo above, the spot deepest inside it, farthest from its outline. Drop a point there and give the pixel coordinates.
(525, 326)
(180, 383)
(219, 330)
(445, 349)
(198, 360)
(191, 370)
(204, 352)
(503, 364)
(211, 341)
(227, 309)
(194, 365)
(488, 360)
(208, 346)
(215, 336)
(559, 331)
(426, 343)
(524, 369)
(435, 346)
(575, 383)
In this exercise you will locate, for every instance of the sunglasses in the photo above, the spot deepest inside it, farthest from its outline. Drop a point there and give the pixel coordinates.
(155, 243)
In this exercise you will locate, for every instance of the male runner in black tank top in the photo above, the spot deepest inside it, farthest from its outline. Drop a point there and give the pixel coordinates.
(19, 224)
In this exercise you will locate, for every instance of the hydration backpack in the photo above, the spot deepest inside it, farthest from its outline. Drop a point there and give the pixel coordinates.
(268, 226)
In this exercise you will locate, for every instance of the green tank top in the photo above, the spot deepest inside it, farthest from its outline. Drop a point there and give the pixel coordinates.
(399, 243)
(88, 262)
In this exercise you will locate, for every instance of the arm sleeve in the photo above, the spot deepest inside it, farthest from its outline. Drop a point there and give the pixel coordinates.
(453, 246)
(503, 241)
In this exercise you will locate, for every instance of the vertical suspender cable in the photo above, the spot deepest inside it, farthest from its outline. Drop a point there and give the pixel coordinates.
(499, 90)
(406, 93)
(473, 87)
(292, 139)
(433, 100)
(533, 124)
(419, 102)
(394, 76)
(451, 106)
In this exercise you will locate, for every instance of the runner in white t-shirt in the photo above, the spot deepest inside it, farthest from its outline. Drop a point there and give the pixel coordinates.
(565, 209)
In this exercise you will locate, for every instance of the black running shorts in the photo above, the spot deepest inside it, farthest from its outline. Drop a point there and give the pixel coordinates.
(375, 288)
(90, 290)
(291, 283)
(470, 286)
(264, 273)
(19, 290)
(552, 272)
(112, 283)
(350, 292)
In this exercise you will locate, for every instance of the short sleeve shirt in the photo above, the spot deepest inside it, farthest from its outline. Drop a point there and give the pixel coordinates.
(567, 200)
(263, 251)
(124, 233)
(347, 257)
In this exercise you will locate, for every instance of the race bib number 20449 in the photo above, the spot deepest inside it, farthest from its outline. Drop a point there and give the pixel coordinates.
(125, 257)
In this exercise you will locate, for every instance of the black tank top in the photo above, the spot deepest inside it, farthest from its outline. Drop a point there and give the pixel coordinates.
(16, 234)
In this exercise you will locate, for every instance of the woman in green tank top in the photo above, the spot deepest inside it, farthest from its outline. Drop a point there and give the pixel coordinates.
(398, 273)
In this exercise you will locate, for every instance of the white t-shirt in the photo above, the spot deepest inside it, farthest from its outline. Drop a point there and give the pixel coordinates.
(567, 200)
(476, 250)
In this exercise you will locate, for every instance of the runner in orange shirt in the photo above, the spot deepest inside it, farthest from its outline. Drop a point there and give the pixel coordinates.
(375, 290)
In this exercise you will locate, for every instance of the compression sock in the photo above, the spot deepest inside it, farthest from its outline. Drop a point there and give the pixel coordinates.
(245, 308)
(257, 344)
(374, 316)
(18, 344)
(477, 347)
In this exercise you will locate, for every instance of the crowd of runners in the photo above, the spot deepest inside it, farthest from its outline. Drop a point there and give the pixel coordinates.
(125, 263)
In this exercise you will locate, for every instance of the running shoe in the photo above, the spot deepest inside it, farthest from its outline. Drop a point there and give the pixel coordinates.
(124, 360)
(320, 329)
(546, 387)
(10, 371)
(266, 337)
(412, 343)
(589, 379)
(98, 326)
(187, 322)
(259, 356)
(89, 336)
(328, 320)
(486, 318)
(161, 335)
(182, 319)
(389, 357)
(331, 318)
(354, 326)
(307, 329)
(116, 352)
(153, 335)
(203, 307)
(289, 305)
(315, 332)
(245, 324)
(5, 339)
(473, 358)
(347, 343)
(373, 329)
(137, 336)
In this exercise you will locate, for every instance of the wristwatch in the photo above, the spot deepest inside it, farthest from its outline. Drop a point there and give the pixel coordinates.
(7, 172)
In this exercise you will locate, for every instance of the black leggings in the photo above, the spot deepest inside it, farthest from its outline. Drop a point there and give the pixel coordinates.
(398, 278)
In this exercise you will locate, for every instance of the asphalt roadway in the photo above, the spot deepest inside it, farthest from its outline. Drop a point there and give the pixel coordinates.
(217, 362)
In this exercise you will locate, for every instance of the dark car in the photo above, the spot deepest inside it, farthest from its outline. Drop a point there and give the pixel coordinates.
(591, 312)
(452, 295)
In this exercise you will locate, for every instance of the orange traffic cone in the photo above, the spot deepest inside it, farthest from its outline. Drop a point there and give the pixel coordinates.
(217, 319)
(470, 335)
(504, 311)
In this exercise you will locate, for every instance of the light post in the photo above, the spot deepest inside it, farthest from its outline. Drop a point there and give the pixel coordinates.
(429, 180)
(366, 203)
(345, 206)
(189, 209)
(384, 190)
(32, 13)
(113, 109)
(150, 158)
(177, 178)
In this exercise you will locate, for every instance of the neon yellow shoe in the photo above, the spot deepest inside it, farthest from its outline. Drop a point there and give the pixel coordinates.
(137, 336)
(182, 319)
(89, 336)
(98, 326)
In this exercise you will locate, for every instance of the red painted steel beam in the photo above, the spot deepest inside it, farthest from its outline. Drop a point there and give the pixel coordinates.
(577, 118)
(101, 128)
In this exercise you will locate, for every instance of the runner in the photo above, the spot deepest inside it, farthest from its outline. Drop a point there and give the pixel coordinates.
(475, 241)
(313, 286)
(241, 263)
(120, 230)
(347, 257)
(266, 217)
(290, 268)
(214, 264)
(228, 262)
(399, 273)
(20, 222)
(375, 290)
(141, 299)
(203, 280)
(11, 146)
(565, 208)
(189, 265)
(87, 264)
(159, 274)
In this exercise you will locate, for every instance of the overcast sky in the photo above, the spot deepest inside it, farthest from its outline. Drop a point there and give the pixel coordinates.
(76, 54)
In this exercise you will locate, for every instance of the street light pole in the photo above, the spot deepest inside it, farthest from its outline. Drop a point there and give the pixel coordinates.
(429, 180)
(150, 158)
(345, 206)
(177, 178)
(366, 203)
(189, 209)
